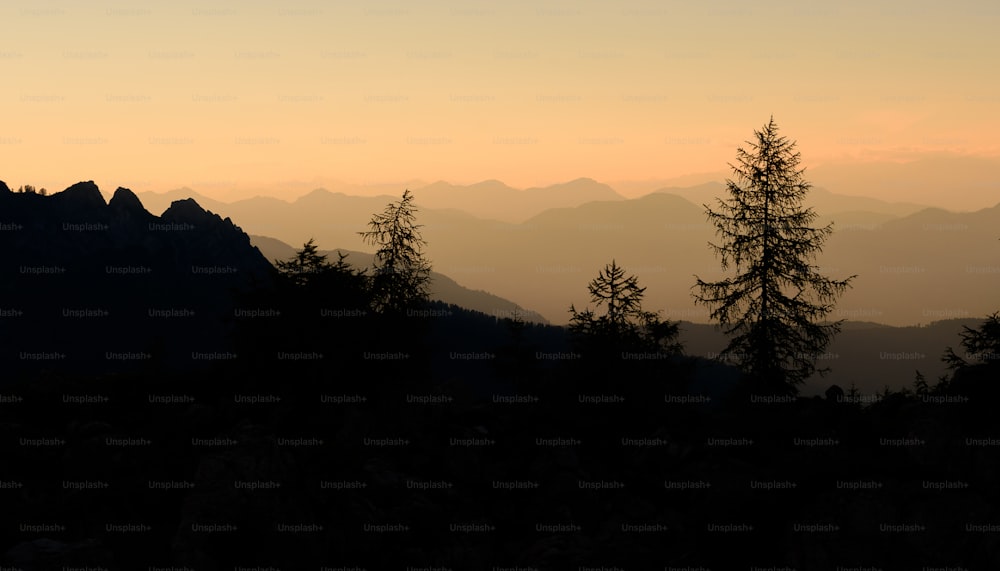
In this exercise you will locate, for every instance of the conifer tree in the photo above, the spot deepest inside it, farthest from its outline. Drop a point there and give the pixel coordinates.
(774, 309)
(400, 278)
(625, 325)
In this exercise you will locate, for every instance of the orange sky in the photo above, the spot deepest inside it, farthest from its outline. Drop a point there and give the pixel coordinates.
(228, 96)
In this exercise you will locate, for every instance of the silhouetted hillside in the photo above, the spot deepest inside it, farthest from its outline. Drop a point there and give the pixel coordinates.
(102, 286)
(868, 355)
(442, 287)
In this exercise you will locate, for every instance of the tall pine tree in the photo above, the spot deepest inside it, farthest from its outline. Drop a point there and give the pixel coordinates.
(774, 308)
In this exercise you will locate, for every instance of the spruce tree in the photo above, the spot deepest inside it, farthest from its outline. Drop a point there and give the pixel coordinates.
(774, 309)
(625, 325)
(400, 278)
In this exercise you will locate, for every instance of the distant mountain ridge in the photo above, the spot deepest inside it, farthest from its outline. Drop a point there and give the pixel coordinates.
(489, 199)
(913, 266)
(947, 180)
(820, 199)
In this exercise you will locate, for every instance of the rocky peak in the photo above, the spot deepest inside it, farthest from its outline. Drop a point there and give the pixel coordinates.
(187, 210)
(81, 195)
(124, 200)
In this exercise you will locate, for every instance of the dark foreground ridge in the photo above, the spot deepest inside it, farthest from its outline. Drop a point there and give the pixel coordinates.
(235, 418)
(95, 286)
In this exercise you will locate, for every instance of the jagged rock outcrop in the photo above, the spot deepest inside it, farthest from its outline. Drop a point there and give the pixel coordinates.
(94, 278)
(84, 198)
(126, 202)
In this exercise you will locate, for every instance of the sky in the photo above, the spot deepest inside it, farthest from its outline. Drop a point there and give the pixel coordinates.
(242, 96)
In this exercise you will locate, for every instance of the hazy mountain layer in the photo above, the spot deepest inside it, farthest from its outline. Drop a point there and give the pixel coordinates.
(489, 199)
(442, 287)
(922, 267)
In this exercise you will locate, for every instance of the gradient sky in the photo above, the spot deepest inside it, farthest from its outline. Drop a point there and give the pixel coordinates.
(223, 96)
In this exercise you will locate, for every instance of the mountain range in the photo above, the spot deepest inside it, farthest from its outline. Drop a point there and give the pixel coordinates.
(82, 275)
(489, 199)
(914, 264)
